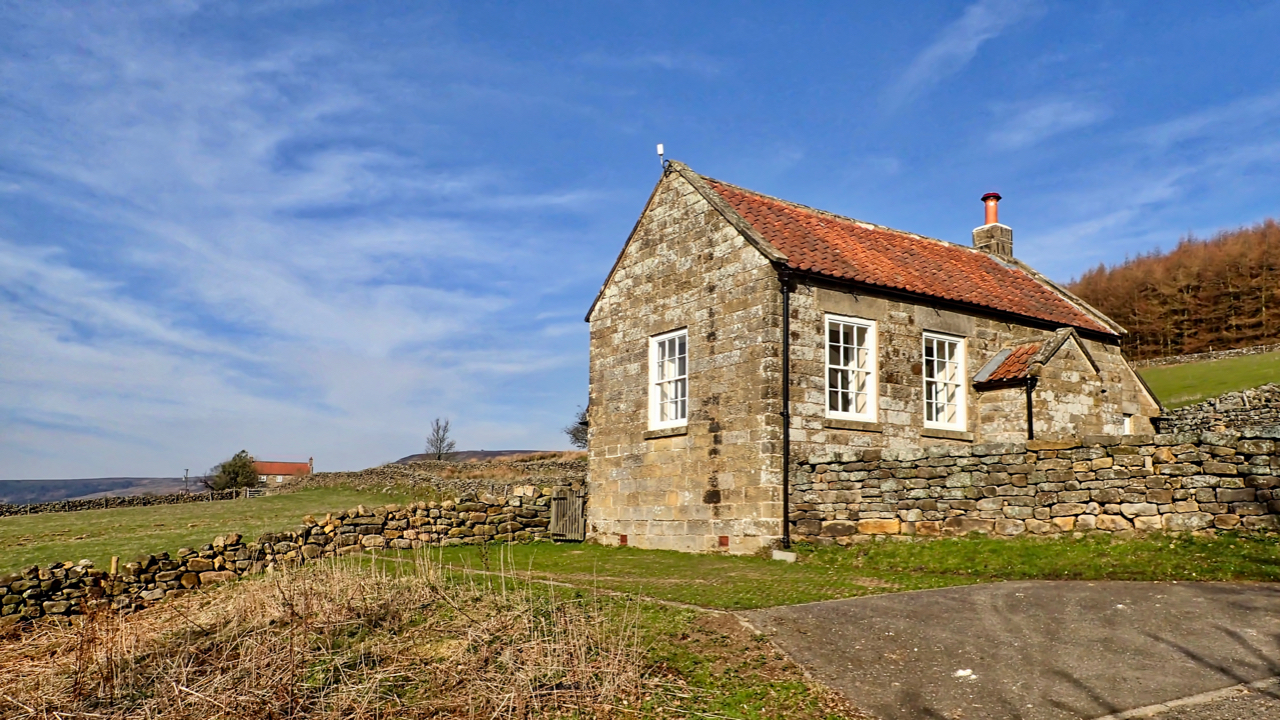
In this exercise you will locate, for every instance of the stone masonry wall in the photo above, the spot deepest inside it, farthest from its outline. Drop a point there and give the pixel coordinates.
(1258, 407)
(1205, 356)
(114, 502)
(1071, 398)
(1115, 484)
(721, 474)
(65, 588)
(447, 476)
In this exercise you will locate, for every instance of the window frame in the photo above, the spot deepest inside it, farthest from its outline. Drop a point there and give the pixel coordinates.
(962, 393)
(872, 413)
(655, 413)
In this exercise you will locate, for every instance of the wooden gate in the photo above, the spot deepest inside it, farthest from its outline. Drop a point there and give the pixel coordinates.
(568, 514)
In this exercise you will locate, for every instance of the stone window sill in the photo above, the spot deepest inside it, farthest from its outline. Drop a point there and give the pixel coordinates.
(666, 432)
(947, 434)
(858, 425)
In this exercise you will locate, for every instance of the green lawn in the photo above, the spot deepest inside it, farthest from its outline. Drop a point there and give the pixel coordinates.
(129, 532)
(732, 583)
(1179, 385)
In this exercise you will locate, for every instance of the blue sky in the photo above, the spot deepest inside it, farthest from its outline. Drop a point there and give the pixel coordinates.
(308, 228)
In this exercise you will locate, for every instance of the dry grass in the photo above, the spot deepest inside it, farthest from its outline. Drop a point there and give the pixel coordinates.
(558, 455)
(510, 468)
(334, 641)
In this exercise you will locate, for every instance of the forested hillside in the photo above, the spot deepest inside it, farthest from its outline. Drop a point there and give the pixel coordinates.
(1212, 294)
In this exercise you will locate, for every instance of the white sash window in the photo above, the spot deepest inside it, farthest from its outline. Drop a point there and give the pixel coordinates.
(851, 369)
(944, 400)
(669, 380)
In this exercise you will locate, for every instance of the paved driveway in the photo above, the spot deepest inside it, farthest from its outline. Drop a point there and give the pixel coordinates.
(1043, 650)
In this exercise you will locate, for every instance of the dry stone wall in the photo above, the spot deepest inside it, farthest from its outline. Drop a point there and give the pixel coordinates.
(1205, 356)
(7, 510)
(66, 588)
(497, 477)
(1258, 407)
(1115, 484)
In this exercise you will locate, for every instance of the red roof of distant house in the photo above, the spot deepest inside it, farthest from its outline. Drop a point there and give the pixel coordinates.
(269, 467)
(846, 249)
(1017, 365)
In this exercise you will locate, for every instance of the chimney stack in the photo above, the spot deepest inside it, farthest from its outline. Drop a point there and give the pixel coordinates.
(992, 237)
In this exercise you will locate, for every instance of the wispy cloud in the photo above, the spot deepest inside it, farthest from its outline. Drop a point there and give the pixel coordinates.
(1030, 123)
(957, 45)
(1178, 172)
(696, 63)
(1228, 121)
(223, 254)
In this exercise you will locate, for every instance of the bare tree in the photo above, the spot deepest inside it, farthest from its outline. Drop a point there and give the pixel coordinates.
(577, 430)
(439, 443)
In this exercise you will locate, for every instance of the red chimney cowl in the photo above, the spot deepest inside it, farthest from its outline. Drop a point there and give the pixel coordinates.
(992, 202)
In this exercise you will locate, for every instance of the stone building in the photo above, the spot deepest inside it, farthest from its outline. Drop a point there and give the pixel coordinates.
(738, 334)
(278, 471)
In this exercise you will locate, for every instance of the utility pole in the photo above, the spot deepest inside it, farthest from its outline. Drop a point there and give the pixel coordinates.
(186, 487)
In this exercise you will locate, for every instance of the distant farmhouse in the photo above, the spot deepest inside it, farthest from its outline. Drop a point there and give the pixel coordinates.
(737, 332)
(276, 471)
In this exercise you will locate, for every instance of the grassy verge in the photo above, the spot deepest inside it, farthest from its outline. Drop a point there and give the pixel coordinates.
(129, 532)
(364, 639)
(1178, 385)
(733, 583)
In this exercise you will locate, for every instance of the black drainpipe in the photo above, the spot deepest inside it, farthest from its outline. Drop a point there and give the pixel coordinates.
(1031, 421)
(784, 278)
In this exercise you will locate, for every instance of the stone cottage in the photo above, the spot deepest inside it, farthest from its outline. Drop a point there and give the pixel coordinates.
(738, 333)
(279, 471)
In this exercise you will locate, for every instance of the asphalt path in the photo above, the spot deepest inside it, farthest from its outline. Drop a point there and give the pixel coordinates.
(1045, 650)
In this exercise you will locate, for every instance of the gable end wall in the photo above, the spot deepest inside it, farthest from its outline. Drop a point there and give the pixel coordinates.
(685, 266)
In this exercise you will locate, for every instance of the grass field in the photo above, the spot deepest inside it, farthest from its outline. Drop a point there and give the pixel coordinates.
(129, 532)
(735, 583)
(1179, 385)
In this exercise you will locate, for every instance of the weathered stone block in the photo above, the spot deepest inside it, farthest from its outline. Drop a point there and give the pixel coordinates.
(1113, 523)
(1131, 510)
(1010, 527)
(966, 525)
(1226, 522)
(1148, 523)
(1236, 495)
(1040, 527)
(879, 527)
(809, 527)
(840, 528)
(1187, 522)
(928, 528)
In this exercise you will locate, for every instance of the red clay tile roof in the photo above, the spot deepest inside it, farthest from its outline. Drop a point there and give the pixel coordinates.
(846, 249)
(269, 467)
(1015, 366)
